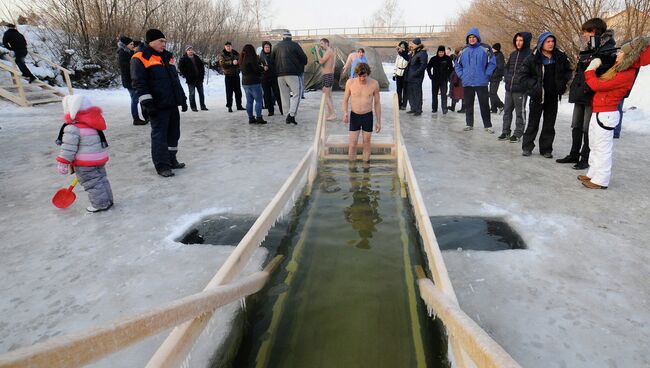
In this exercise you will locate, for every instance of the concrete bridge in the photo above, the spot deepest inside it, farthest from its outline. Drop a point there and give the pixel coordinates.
(377, 37)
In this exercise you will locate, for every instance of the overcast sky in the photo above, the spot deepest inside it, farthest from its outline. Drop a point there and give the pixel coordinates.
(352, 13)
(294, 14)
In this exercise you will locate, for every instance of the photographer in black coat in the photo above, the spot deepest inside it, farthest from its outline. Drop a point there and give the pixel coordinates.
(601, 44)
(15, 41)
(192, 68)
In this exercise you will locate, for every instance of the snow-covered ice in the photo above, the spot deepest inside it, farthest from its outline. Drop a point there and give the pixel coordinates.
(578, 297)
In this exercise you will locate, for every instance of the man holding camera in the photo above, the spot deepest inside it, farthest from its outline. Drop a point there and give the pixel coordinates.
(600, 44)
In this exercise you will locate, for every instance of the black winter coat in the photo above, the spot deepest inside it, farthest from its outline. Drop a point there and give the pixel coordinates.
(124, 60)
(14, 40)
(192, 75)
(579, 91)
(440, 68)
(288, 58)
(531, 76)
(225, 60)
(251, 71)
(155, 79)
(265, 60)
(497, 75)
(515, 61)
(417, 66)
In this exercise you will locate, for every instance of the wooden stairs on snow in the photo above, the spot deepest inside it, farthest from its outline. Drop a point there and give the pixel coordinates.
(382, 147)
(22, 93)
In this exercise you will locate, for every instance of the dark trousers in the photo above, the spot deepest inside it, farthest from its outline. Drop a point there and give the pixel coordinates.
(165, 132)
(514, 102)
(536, 109)
(580, 132)
(199, 88)
(415, 96)
(402, 88)
(233, 85)
(134, 104)
(483, 103)
(271, 95)
(438, 86)
(20, 63)
(495, 101)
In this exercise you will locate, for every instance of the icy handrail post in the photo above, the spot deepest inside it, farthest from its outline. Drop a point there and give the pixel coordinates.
(180, 341)
(21, 99)
(479, 346)
(89, 346)
(398, 138)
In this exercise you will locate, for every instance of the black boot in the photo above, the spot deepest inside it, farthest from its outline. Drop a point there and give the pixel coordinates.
(260, 120)
(139, 122)
(569, 159)
(251, 120)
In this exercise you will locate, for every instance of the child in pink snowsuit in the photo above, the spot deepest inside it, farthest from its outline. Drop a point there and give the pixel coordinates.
(83, 147)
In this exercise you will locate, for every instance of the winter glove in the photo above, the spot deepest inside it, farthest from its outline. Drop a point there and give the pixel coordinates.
(62, 168)
(394, 78)
(184, 107)
(150, 106)
(595, 63)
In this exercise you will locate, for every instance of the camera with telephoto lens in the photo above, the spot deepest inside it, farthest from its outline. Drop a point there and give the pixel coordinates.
(607, 55)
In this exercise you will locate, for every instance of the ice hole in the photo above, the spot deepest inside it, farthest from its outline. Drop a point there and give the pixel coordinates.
(475, 233)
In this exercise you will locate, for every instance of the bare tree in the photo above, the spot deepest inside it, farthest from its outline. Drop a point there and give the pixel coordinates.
(387, 16)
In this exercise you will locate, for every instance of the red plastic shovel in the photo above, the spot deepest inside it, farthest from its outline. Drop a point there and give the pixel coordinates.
(65, 196)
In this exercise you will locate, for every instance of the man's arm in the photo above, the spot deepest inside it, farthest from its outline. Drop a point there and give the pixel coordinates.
(492, 63)
(325, 58)
(430, 68)
(348, 63)
(5, 41)
(346, 96)
(458, 65)
(377, 98)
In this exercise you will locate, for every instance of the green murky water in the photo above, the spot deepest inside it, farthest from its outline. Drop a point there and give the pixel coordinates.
(346, 294)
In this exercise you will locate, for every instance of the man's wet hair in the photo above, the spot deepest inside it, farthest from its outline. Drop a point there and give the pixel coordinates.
(596, 25)
(361, 49)
(327, 42)
(361, 69)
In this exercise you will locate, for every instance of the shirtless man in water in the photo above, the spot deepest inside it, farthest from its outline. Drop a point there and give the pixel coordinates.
(362, 92)
(328, 61)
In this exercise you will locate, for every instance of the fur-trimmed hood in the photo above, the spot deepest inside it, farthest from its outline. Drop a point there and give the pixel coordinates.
(638, 45)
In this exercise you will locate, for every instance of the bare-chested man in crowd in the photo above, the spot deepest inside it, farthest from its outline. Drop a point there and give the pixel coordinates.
(362, 92)
(328, 61)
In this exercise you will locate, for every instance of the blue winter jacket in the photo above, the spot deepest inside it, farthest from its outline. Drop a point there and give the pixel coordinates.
(475, 63)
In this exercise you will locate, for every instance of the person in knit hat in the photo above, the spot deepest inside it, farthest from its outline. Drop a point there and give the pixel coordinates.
(495, 79)
(125, 50)
(439, 70)
(155, 80)
(83, 147)
(193, 69)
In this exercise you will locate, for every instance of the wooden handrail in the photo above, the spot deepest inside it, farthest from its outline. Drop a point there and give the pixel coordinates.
(87, 347)
(481, 348)
(21, 98)
(66, 72)
(178, 344)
